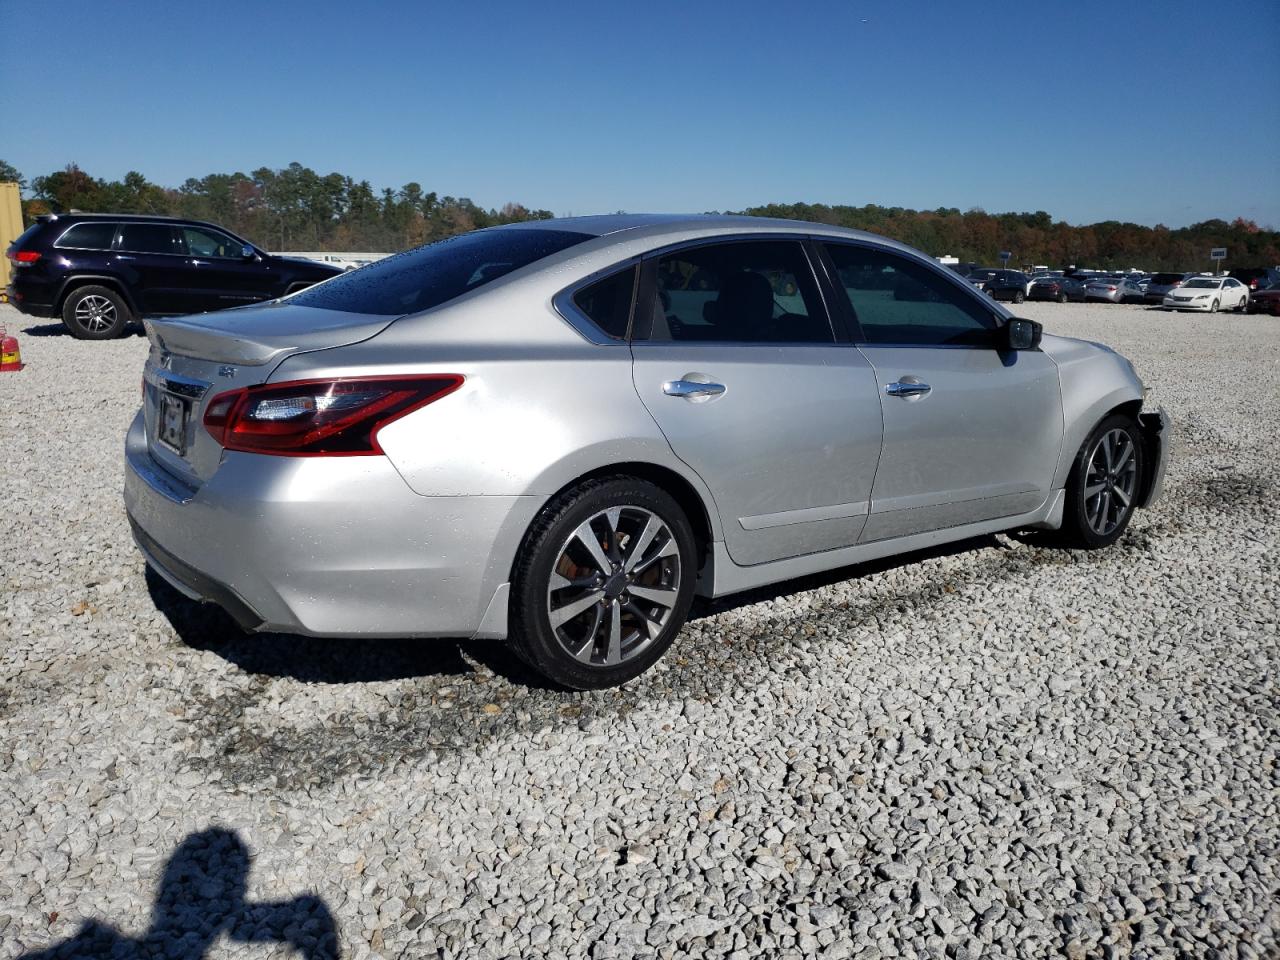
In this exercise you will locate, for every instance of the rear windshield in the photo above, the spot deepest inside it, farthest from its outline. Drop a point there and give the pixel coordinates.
(428, 276)
(26, 235)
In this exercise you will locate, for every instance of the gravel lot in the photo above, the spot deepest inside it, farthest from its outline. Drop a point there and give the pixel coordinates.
(998, 749)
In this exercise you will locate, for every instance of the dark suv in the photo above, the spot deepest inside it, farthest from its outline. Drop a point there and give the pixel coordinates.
(1007, 285)
(1256, 278)
(99, 271)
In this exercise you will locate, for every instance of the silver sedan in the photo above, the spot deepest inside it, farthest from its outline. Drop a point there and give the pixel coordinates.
(559, 432)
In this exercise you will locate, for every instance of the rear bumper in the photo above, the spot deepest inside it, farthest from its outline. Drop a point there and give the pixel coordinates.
(336, 547)
(30, 299)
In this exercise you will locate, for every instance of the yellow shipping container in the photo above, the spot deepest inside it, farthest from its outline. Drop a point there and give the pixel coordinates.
(10, 226)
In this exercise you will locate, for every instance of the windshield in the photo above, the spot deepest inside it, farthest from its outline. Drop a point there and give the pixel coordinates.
(1202, 283)
(426, 277)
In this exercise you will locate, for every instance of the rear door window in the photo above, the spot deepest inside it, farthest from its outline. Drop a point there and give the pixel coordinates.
(88, 236)
(426, 277)
(742, 292)
(148, 238)
(896, 300)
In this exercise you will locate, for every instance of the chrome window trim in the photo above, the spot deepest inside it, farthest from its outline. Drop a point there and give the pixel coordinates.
(586, 327)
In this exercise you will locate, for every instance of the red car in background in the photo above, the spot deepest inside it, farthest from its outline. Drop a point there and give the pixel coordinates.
(1265, 301)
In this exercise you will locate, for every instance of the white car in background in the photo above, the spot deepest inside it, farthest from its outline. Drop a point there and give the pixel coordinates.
(1208, 294)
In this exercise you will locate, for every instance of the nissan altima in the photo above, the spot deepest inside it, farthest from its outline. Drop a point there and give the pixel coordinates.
(559, 432)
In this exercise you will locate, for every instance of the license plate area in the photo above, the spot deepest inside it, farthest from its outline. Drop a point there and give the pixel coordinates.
(171, 424)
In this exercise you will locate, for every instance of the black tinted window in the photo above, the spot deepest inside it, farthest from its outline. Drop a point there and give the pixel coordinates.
(608, 302)
(147, 238)
(896, 300)
(752, 292)
(88, 236)
(429, 276)
(203, 242)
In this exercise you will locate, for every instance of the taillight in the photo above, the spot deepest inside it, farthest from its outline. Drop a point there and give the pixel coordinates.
(24, 256)
(1111, 289)
(303, 418)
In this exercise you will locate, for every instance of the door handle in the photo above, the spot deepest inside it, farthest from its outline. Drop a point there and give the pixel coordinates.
(696, 390)
(907, 387)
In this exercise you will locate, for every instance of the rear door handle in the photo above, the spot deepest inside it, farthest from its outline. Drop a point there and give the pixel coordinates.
(906, 388)
(693, 389)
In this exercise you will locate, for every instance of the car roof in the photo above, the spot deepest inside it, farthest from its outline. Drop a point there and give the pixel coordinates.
(660, 226)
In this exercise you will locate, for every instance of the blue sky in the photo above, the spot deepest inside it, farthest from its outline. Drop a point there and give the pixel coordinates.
(1153, 112)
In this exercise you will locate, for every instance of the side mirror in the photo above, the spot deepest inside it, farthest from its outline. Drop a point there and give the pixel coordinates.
(248, 252)
(1022, 334)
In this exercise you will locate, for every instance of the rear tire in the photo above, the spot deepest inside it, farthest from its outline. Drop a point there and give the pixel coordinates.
(1062, 298)
(1104, 487)
(95, 313)
(603, 583)
(1019, 296)
(1243, 305)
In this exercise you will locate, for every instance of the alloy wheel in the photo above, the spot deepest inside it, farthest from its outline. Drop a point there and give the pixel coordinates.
(95, 313)
(614, 585)
(1111, 481)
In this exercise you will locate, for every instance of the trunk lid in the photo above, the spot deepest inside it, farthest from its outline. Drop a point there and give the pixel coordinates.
(262, 333)
(195, 358)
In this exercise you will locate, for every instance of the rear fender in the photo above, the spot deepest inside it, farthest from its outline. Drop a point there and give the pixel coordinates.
(73, 283)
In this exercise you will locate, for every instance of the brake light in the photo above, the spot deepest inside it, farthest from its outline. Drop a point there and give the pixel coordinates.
(1111, 289)
(24, 256)
(302, 418)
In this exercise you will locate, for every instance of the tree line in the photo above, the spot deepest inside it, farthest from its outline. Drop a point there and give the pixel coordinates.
(296, 208)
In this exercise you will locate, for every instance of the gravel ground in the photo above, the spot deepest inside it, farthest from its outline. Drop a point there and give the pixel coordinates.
(997, 749)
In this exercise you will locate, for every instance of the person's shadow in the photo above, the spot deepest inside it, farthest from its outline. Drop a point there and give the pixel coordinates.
(200, 898)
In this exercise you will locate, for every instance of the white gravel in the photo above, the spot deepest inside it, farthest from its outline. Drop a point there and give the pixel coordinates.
(996, 750)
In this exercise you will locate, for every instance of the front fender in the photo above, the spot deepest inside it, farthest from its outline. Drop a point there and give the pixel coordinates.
(1095, 381)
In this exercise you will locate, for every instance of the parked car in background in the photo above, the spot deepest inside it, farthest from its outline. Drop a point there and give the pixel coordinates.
(100, 271)
(1208, 294)
(1113, 290)
(1161, 283)
(1256, 278)
(557, 432)
(1060, 289)
(1007, 285)
(1265, 301)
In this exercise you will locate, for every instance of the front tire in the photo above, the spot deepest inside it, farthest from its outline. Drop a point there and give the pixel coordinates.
(95, 313)
(1213, 307)
(603, 582)
(1019, 296)
(1103, 490)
